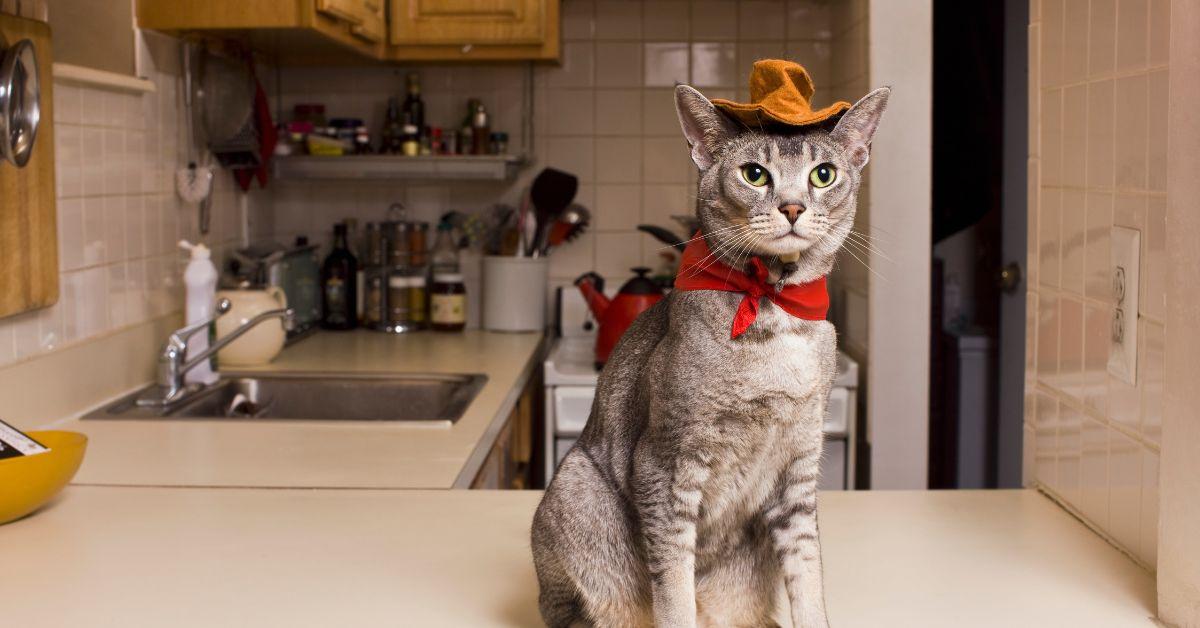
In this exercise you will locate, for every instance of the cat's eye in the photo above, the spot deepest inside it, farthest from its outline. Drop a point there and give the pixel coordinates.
(823, 176)
(755, 175)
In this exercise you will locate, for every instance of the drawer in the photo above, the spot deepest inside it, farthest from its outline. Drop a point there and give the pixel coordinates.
(833, 465)
(837, 416)
(572, 405)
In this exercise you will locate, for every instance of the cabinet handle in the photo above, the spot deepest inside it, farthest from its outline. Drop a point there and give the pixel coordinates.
(467, 48)
(20, 102)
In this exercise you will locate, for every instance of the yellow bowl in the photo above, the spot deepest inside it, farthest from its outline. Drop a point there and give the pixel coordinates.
(28, 482)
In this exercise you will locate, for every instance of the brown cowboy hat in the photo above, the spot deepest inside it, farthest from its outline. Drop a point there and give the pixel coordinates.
(780, 93)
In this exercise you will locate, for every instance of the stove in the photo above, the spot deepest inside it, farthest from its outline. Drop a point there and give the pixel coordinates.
(570, 379)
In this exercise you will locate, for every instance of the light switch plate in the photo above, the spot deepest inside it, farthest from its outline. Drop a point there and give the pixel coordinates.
(1124, 275)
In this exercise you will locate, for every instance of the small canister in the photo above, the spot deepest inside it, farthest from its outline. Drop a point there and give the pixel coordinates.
(417, 238)
(416, 299)
(399, 299)
(374, 306)
(448, 302)
(399, 253)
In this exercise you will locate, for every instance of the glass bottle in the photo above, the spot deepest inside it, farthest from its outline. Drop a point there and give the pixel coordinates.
(480, 130)
(338, 284)
(414, 107)
(444, 256)
(448, 303)
(392, 137)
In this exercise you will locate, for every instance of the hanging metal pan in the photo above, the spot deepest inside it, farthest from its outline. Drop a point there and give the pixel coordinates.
(20, 106)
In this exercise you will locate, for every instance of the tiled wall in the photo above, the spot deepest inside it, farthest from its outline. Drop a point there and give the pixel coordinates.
(118, 215)
(1098, 90)
(606, 114)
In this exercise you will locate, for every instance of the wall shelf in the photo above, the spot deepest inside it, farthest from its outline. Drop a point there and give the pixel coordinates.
(393, 167)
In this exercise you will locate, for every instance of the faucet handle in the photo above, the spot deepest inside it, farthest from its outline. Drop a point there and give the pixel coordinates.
(223, 305)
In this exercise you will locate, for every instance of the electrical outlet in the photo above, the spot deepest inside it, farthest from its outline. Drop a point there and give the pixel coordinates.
(1126, 266)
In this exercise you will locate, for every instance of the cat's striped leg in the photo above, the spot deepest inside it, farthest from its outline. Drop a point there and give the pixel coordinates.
(669, 506)
(792, 521)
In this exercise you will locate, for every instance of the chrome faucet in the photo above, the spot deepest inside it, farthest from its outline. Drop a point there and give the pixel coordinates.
(174, 361)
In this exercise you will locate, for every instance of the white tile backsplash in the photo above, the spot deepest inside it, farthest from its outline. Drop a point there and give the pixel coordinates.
(1099, 85)
(118, 218)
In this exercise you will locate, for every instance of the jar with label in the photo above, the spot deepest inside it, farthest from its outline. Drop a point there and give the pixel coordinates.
(416, 299)
(417, 237)
(399, 253)
(448, 302)
(374, 306)
(399, 301)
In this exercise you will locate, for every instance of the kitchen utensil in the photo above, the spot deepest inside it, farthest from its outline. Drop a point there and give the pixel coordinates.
(552, 191)
(20, 102)
(295, 270)
(28, 245)
(193, 182)
(31, 481)
(224, 93)
(261, 344)
(514, 293)
(570, 225)
(663, 235)
(617, 314)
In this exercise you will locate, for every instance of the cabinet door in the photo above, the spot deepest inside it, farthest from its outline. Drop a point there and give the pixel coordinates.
(366, 17)
(468, 22)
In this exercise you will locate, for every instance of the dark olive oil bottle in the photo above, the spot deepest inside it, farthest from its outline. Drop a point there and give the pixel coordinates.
(339, 284)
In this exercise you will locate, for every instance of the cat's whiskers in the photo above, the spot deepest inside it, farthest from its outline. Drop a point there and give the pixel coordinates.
(716, 232)
(700, 267)
(870, 247)
(729, 245)
(860, 261)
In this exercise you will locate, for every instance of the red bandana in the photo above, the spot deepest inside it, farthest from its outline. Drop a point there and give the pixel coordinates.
(698, 271)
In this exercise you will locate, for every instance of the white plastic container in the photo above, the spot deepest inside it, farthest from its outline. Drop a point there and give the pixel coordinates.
(200, 282)
(514, 293)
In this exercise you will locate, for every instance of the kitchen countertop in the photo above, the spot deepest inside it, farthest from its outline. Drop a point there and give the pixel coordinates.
(146, 556)
(327, 454)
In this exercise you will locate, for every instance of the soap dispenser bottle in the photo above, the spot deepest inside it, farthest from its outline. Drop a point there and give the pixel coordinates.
(200, 282)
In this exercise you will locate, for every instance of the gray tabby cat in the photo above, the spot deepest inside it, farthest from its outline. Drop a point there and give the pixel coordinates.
(692, 491)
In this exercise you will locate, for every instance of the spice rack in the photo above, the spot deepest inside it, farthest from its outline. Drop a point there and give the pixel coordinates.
(390, 167)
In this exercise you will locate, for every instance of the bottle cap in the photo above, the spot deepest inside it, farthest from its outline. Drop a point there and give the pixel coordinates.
(448, 277)
(198, 250)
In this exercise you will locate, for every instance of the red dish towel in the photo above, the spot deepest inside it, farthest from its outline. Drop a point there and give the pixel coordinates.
(266, 143)
(698, 271)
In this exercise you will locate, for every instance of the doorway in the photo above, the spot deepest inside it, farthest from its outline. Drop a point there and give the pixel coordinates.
(977, 290)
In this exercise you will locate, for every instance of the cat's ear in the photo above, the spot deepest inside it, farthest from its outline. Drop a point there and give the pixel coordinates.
(857, 126)
(705, 128)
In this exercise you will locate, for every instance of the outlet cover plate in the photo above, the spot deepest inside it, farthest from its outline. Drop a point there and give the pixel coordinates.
(1124, 275)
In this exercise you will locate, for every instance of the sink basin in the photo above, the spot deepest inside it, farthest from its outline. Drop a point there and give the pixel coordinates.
(415, 397)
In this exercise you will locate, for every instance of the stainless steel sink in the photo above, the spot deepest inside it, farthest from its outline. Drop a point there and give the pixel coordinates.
(415, 397)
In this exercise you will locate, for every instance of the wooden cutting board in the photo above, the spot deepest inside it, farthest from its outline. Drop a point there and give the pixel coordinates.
(28, 239)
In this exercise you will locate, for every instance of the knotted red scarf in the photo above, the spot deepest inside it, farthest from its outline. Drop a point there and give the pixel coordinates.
(698, 271)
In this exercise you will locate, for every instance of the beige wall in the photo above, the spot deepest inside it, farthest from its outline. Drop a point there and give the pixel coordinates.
(1179, 540)
(901, 55)
(1098, 103)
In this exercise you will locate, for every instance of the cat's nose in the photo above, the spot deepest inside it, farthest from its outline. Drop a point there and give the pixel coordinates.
(792, 211)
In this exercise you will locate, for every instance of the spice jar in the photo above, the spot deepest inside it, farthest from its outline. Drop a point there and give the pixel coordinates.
(416, 299)
(398, 252)
(374, 308)
(399, 301)
(448, 302)
(417, 237)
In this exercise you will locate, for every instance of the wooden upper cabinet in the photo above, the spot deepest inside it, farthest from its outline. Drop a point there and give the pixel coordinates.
(301, 32)
(474, 29)
(468, 22)
(366, 18)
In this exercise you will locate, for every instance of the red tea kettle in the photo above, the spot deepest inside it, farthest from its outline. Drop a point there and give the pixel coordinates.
(616, 315)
